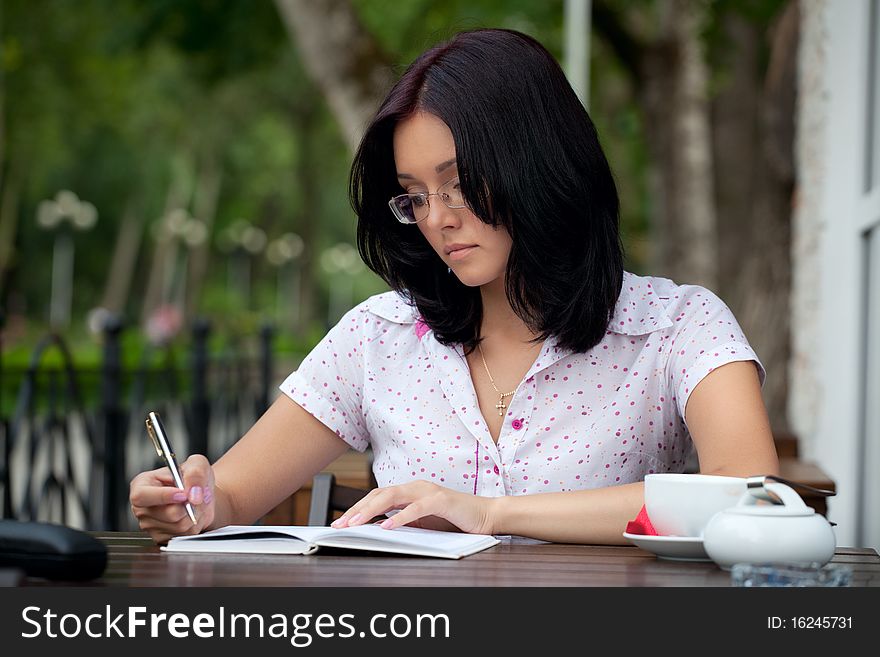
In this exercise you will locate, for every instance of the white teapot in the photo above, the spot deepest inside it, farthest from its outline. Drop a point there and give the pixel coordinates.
(785, 530)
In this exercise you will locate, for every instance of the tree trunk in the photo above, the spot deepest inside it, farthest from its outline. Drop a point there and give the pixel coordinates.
(347, 65)
(735, 144)
(763, 289)
(8, 227)
(125, 253)
(754, 134)
(341, 57)
(205, 210)
(696, 255)
(730, 232)
(306, 118)
(674, 99)
(179, 193)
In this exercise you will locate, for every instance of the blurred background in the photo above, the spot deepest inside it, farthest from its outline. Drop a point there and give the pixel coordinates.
(175, 230)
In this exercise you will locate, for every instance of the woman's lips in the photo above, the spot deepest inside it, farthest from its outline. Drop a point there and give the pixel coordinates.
(460, 254)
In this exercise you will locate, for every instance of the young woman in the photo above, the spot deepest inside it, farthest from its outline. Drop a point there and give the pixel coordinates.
(515, 380)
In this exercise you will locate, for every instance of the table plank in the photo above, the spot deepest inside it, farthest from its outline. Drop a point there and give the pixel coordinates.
(136, 562)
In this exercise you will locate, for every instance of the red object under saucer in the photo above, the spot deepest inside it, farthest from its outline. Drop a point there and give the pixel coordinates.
(641, 525)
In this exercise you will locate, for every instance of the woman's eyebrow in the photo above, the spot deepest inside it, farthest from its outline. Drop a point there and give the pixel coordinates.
(440, 168)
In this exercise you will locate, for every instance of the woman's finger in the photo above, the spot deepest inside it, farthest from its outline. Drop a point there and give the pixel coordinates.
(198, 479)
(382, 500)
(410, 513)
(171, 514)
(375, 502)
(145, 496)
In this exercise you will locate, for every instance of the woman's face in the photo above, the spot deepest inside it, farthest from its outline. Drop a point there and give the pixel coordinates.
(424, 154)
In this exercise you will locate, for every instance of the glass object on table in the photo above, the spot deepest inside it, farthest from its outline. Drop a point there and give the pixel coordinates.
(790, 575)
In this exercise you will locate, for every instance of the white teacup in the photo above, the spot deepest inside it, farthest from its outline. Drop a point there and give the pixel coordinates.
(683, 504)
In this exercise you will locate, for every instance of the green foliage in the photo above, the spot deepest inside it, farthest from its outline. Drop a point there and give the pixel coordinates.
(117, 100)
(406, 29)
(121, 100)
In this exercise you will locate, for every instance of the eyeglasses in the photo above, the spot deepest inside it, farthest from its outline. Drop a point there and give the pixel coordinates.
(412, 208)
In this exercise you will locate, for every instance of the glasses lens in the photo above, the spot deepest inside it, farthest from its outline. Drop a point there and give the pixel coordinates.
(451, 194)
(410, 208)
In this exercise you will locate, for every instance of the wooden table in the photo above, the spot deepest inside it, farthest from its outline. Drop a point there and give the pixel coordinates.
(135, 562)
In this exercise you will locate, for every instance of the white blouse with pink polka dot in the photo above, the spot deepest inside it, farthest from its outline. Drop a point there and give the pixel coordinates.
(579, 420)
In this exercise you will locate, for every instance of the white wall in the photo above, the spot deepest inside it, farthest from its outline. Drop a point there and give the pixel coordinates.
(834, 369)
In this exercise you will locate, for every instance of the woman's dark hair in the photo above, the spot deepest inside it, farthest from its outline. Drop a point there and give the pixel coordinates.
(528, 159)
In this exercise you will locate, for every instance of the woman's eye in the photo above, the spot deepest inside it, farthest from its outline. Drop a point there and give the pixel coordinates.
(417, 200)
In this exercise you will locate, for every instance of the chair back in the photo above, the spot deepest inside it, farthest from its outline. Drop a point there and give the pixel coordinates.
(329, 497)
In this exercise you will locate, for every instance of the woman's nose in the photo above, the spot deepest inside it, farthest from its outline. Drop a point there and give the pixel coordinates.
(439, 214)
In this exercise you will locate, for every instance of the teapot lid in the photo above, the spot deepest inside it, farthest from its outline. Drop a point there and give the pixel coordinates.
(773, 510)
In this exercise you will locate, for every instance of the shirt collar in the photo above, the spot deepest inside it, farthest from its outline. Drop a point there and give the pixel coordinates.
(393, 307)
(639, 309)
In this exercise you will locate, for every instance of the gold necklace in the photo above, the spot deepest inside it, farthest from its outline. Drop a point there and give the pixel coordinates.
(500, 405)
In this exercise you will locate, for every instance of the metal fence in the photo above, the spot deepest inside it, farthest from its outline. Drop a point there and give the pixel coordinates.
(76, 436)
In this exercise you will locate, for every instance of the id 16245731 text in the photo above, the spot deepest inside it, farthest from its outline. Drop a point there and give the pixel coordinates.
(809, 623)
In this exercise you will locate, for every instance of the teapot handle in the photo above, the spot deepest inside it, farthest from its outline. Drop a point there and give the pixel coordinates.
(755, 485)
(781, 494)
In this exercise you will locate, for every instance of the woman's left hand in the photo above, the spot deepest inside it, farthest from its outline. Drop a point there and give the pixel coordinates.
(422, 504)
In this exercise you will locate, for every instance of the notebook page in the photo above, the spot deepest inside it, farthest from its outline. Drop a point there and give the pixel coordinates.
(452, 542)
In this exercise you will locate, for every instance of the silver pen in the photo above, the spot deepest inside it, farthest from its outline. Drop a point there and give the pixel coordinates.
(156, 431)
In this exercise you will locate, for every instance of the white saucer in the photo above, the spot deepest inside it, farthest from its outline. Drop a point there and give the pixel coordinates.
(675, 548)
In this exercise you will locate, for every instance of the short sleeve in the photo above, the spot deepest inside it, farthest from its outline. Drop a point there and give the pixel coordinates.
(706, 337)
(329, 382)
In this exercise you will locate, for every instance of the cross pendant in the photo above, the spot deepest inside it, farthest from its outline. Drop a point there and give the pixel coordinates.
(500, 406)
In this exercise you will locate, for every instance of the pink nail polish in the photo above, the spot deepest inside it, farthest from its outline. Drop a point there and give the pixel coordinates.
(179, 497)
(354, 518)
(387, 524)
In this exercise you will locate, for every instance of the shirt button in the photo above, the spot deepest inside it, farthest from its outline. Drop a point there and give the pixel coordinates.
(496, 469)
(517, 424)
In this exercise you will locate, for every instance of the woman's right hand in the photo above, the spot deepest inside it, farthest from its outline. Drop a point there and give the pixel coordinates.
(160, 507)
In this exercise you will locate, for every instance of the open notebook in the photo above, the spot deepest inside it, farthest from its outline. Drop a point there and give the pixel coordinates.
(271, 539)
